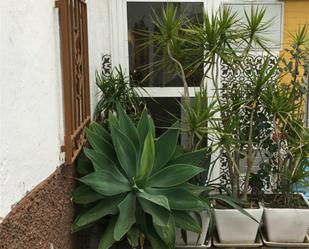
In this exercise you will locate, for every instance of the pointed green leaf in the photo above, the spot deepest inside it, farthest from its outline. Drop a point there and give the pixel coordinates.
(127, 127)
(143, 127)
(165, 147)
(100, 131)
(147, 159)
(166, 232)
(105, 207)
(107, 239)
(192, 158)
(160, 200)
(101, 162)
(126, 216)
(160, 214)
(105, 183)
(83, 194)
(180, 173)
(231, 202)
(185, 221)
(133, 236)
(179, 199)
(100, 145)
(126, 152)
(84, 166)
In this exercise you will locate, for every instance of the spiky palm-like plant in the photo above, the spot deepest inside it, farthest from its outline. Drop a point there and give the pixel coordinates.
(139, 182)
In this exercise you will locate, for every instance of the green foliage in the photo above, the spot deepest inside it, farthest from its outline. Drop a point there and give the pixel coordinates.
(117, 87)
(135, 180)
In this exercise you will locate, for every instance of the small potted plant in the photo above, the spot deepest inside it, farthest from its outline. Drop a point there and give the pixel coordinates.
(240, 139)
(286, 213)
(138, 183)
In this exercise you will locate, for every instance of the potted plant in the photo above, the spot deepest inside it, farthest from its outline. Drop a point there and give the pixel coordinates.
(240, 139)
(138, 183)
(188, 47)
(286, 213)
(115, 87)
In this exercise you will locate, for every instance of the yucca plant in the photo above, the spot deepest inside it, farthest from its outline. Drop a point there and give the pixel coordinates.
(138, 182)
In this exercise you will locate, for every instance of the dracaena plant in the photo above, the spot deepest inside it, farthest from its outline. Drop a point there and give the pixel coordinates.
(138, 182)
(189, 46)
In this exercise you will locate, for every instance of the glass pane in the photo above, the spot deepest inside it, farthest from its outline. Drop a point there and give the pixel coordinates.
(164, 111)
(139, 18)
(273, 13)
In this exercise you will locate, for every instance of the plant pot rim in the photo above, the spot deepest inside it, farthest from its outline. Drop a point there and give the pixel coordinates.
(279, 208)
(234, 209)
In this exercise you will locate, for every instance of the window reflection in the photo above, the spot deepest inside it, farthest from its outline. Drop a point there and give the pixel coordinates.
(139, 18)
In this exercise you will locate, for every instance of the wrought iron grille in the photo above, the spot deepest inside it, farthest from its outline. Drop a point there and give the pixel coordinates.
(75, 72)
(230, 78)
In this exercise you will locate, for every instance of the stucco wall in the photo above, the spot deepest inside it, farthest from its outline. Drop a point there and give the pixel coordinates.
(31, 124)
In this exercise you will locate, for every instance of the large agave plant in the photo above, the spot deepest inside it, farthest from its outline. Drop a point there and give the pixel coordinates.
(138, 183)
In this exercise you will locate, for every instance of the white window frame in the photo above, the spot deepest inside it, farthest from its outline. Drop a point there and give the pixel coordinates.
(119, 43)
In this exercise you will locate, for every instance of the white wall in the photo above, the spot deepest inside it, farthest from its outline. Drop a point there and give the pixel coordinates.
(31, 124)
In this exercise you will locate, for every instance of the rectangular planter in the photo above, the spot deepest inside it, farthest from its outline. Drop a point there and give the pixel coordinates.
(286, 225)
(235, 227)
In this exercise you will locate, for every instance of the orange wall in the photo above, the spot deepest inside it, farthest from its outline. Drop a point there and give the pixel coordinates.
(296, 13)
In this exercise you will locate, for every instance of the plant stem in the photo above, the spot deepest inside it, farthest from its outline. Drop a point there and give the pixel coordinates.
(181, 73)
(250, 154)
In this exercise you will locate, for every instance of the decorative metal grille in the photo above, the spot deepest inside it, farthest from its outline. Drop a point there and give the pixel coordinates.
(75, 71)
(230, 80)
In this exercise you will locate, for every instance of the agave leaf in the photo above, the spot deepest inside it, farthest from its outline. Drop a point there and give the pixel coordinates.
(100, 131)
(101, 145)
(143, 126)
(154, 239)
(160, 200)
(133, 236)
(126, 216)
(126, 152)
(231, 202)
(85, 195)
(180, 172)
(127, 127)
(105, 183)
(84, 166)
(185, 221)
(166, 232)
(165, 147)
(179, 198)
(105, 207)
(196, 190)
(192, 158)
(112, 122)
(107, 240)
(159, 213)
(101, 162)
(147, 159)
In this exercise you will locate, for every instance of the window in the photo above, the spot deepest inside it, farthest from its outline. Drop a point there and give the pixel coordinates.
(139, 18)
(274, 12)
